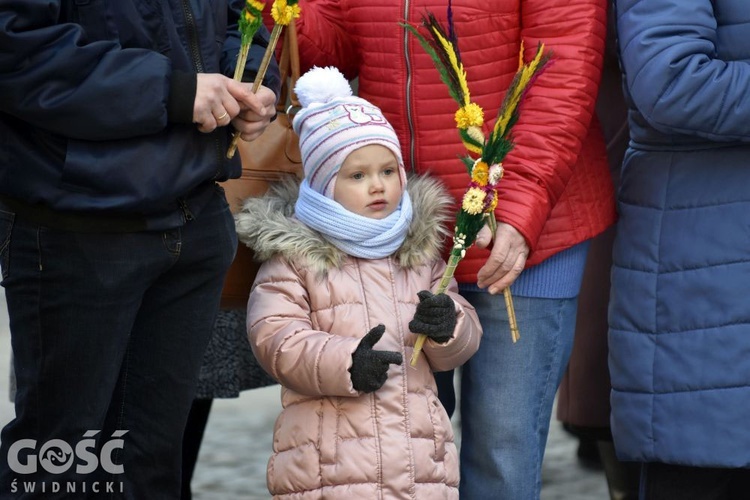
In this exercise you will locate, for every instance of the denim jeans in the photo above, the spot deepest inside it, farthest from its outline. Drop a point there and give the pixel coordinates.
(108, 332)
(507, 392)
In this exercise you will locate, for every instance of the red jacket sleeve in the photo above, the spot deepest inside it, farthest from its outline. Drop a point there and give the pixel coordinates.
(556, 114)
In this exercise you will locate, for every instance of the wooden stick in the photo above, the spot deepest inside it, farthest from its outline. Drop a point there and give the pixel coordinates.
(442, 287)
(275, 33)
(514, 334)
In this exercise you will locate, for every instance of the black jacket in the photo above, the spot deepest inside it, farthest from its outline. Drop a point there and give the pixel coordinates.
(96, 103)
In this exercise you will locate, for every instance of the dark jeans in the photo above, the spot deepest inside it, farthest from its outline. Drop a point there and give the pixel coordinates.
(191, 442)
(446, 390)
(108, 332)
(678, 482)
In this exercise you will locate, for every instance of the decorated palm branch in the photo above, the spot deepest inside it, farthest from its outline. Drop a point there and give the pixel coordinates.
(249, 23)
(485, 168)
(283, 13)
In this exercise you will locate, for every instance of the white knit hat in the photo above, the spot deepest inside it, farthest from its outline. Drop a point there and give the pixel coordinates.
(333, 123)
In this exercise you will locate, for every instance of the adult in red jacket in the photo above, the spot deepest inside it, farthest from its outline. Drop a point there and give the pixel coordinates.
(556, 194)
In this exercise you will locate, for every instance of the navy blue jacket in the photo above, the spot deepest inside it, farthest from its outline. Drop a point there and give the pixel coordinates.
(96, 103)
(680, 313)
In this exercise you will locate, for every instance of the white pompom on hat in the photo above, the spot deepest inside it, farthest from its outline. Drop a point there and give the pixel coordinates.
(332, 123)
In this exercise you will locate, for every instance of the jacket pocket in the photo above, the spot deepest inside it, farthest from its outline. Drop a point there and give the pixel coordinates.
(441, 429)
(6, 228)
(135, 23)
(220, 15)
(329, 438)
(95, 19)
(152, 30)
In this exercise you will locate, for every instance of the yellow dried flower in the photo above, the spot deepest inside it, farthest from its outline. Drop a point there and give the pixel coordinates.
(255, 4)
(283, 13)
(476, 134)
(473, 201)
(480, 173)
(470, 115)
(493, 203)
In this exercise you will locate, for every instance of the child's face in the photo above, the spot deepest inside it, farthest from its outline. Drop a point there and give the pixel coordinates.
(369, 183)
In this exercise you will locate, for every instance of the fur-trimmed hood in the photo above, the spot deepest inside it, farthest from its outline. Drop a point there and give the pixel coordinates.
(266, 225)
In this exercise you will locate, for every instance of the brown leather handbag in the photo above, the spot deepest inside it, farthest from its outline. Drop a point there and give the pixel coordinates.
(271, 157)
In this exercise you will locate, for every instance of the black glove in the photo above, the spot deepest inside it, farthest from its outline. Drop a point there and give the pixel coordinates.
(370, 367)
(435, 317)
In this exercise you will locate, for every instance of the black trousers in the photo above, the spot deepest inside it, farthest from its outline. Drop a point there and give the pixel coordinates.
(108, 333)
(191, 442)
(678, 482)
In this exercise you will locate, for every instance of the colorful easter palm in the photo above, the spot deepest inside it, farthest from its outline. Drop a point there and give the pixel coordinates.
(283, 13)
(249, 23)
(486, 171)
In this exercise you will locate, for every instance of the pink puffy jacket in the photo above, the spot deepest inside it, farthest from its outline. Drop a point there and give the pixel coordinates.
(308, 310)
(557, 191)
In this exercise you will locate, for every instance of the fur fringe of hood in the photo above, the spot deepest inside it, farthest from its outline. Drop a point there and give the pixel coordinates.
(265, 224)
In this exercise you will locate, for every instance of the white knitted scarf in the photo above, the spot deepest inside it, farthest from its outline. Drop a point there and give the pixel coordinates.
(354, 234)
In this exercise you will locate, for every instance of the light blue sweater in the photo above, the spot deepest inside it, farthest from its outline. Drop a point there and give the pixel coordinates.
(558, 277)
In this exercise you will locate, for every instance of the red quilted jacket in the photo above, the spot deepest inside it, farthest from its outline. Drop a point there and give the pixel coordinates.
(557, 190)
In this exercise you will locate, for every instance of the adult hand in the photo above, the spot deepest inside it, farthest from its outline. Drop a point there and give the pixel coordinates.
(256, 111)
(507, 258)
(215, 102)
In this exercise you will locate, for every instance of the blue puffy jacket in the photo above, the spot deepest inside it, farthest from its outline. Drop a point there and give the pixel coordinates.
(680, 315)
(96, 103)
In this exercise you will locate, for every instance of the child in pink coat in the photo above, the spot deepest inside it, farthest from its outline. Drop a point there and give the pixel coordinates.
(349, 259)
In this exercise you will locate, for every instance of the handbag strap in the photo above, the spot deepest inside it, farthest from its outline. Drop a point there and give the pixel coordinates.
(289, 69)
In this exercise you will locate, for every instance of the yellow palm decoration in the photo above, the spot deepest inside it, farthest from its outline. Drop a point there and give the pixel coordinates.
(481, 198)
(283, 13)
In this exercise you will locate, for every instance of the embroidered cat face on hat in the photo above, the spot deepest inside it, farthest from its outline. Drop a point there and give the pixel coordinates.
(333, 123)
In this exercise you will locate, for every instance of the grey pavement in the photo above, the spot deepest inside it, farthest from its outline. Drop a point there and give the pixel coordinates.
(237, 444)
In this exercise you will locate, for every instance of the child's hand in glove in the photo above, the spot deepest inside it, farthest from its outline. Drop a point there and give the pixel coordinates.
(435, 317)
(370, 367)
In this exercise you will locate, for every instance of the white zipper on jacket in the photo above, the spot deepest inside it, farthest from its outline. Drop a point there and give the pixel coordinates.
(409, 118)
